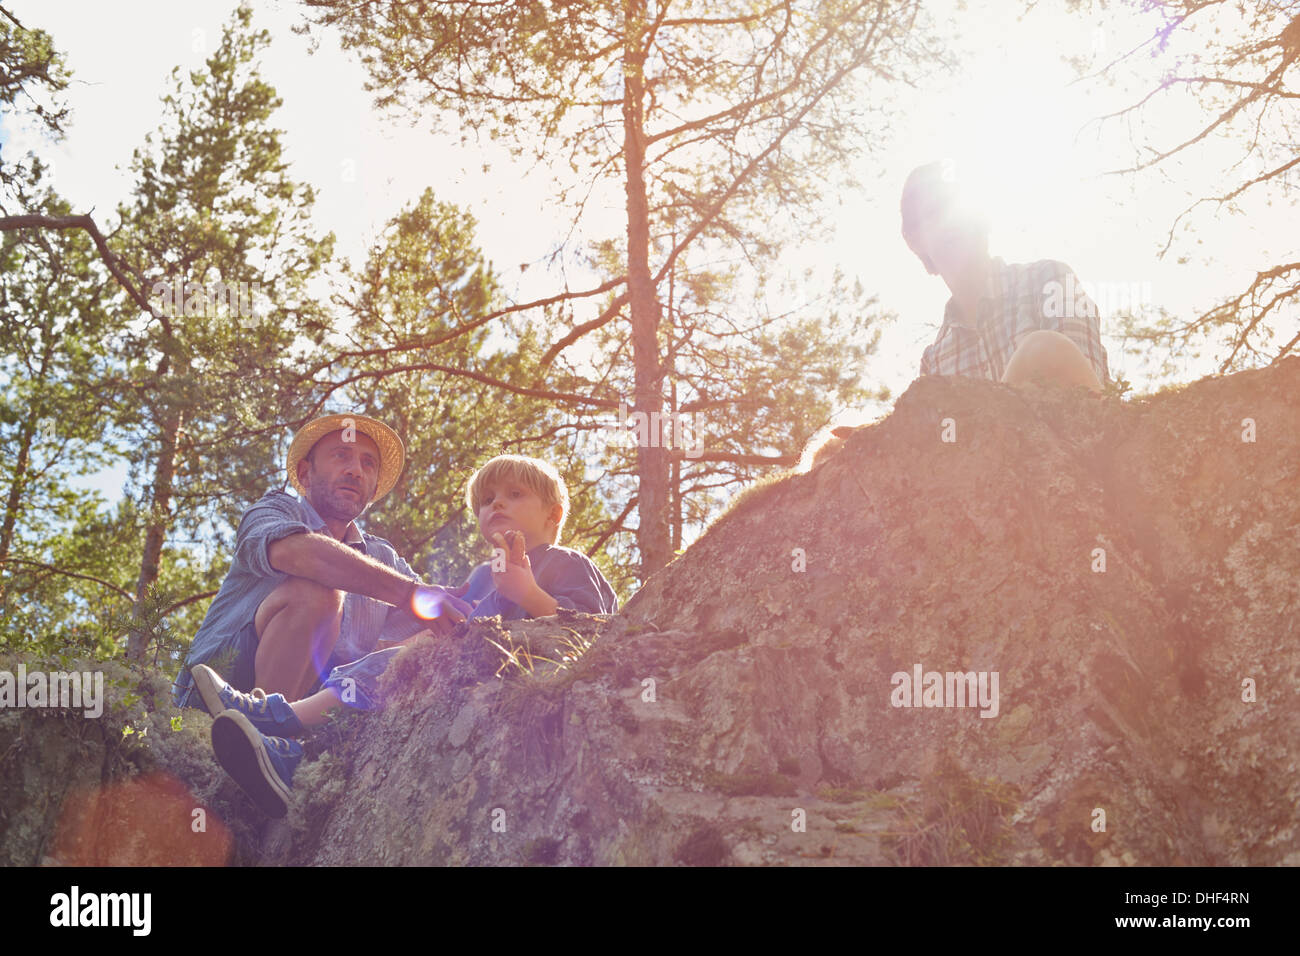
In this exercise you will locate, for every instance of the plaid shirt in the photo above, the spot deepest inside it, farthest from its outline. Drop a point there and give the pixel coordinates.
(1019, 299)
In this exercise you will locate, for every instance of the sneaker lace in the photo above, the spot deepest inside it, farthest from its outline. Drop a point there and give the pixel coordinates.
(283, 747)
(259, 704)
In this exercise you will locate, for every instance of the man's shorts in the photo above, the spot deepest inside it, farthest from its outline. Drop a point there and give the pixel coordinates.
(357, 683)
(234, 659)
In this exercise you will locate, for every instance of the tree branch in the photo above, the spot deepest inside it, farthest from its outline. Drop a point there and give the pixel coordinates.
(111, 259)
(71, 574)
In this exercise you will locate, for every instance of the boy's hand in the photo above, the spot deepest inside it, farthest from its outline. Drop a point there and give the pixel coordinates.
(516, 583)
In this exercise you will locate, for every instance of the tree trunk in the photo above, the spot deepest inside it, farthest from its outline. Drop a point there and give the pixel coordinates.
(21, 464)
(156, 530)
(653, 538)
(15, 498)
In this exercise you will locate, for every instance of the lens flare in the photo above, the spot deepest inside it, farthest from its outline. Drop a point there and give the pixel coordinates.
(427, 603)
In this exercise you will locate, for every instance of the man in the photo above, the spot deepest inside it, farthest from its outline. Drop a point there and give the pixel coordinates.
(1008, 323)
(307, 589)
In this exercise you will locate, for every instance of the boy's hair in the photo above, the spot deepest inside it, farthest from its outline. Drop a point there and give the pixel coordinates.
(534, 474)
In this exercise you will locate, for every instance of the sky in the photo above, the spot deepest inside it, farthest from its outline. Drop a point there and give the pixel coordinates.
(1010, 116)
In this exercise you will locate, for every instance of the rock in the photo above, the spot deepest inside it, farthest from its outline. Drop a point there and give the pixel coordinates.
(770, 736)
(1119, 580)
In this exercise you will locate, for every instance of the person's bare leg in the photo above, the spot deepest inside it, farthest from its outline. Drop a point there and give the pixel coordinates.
(312, 711)
(297, 624)
(1050, 358)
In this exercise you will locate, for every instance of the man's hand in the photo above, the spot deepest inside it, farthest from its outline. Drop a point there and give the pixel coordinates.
(441, 607)
(516, 583)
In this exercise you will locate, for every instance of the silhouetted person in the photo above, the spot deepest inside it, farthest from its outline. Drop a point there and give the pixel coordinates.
(1006, 322)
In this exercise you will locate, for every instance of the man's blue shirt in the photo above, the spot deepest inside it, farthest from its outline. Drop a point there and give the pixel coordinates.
(251, 578)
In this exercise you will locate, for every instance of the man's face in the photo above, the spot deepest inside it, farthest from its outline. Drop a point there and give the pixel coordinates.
(508, 506)
(943, 231)
(340, 476)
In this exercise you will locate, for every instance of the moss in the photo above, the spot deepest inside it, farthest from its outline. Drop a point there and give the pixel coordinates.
(164, 760)
(874, 800)
(441, 854)
(544, 851)
(789, 766)
(840, 794)
(321, 783)
(750, 784)
(704, 847)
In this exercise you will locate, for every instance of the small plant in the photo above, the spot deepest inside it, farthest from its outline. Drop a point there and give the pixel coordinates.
(148, 619)
(1116, 387)
(960, 820)
(524, 661)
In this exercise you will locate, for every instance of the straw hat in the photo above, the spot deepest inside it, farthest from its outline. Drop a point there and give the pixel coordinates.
(392, 456)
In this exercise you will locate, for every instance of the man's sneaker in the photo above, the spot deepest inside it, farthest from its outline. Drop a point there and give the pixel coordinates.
(262, 766)
(271, 714)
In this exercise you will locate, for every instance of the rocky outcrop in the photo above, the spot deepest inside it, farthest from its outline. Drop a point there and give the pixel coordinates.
(1119, 579)
(1127, 570)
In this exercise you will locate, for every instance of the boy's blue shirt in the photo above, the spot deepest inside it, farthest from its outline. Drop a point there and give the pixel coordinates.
(569, 576)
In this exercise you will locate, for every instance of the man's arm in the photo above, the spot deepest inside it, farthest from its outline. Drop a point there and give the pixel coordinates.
(402, 622)
(272, 539)
(320, 558)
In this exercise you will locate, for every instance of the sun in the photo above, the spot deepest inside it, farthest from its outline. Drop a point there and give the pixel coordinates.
(1014, 140)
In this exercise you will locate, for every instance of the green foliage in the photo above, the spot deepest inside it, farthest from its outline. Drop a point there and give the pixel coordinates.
(193, 398)
(33, 78)
(214, 203)
(54, 359)
(423, 281)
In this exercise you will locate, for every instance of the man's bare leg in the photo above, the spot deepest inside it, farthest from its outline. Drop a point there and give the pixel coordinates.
(312, 711)
(297, 624)
(1050, 358)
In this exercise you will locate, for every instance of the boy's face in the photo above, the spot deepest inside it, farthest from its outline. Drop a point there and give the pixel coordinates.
(508, 506)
